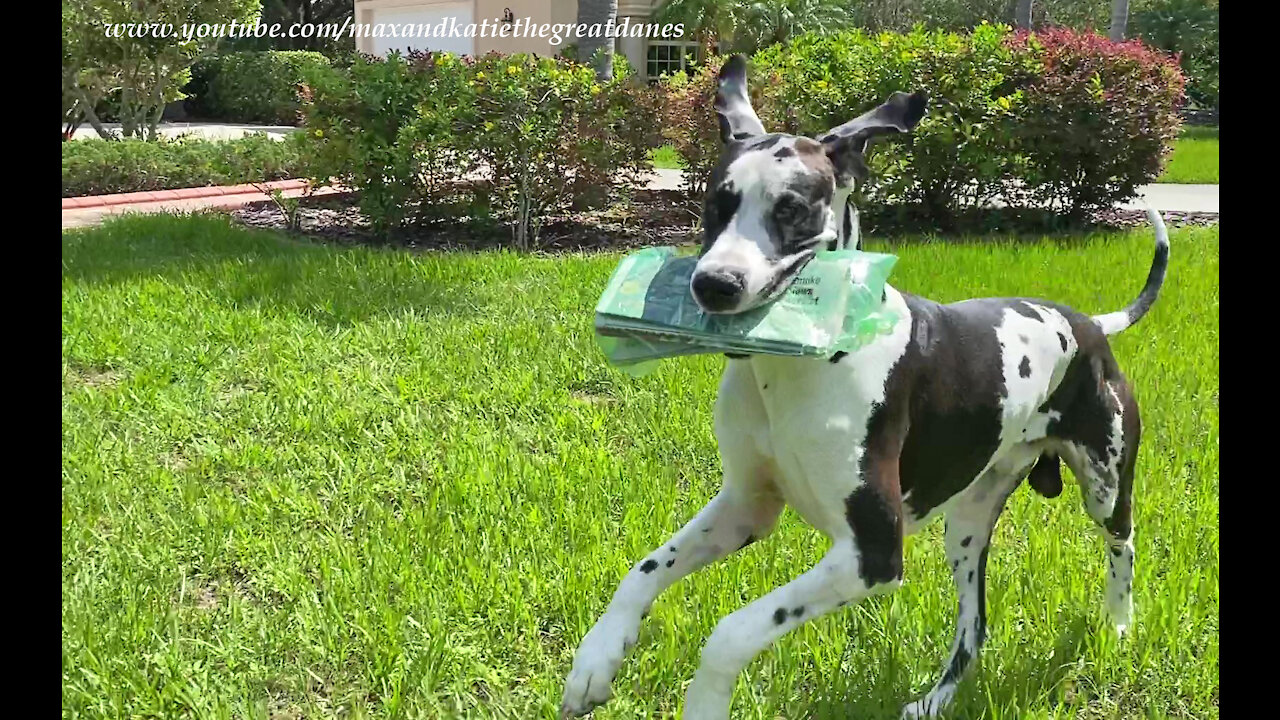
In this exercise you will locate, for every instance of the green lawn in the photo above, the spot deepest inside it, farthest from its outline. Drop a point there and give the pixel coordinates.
(1195, 157)
(667, 158)
(303, 480)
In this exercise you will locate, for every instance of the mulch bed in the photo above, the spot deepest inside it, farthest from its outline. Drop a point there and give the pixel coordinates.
(653, 217)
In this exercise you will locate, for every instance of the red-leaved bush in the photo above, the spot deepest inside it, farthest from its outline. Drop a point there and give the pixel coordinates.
(1098, 119)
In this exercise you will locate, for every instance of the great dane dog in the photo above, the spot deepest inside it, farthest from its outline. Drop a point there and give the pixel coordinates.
(946, 414)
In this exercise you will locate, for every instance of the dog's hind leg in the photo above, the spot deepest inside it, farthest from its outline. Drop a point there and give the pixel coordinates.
(968, 537)
(1104, 467)
(845, 574)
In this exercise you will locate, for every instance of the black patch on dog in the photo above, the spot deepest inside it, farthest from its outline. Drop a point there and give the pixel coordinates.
(797, 612)
(765, 143)
(784, 152)
(1025, 310)
(958, 663)
(970, 576)
(720, 206)
(965, 542)
(1025, 340)
(950, 378)
(1062, 340)
(779, 616)
(878, 532)
(648, 566)
(1024, 367)
(1046, 476)
(839, 354)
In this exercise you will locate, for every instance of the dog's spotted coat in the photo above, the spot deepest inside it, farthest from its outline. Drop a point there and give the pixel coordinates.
(945, 415)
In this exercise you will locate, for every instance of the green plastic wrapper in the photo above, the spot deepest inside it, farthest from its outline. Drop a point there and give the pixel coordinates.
(646, 312)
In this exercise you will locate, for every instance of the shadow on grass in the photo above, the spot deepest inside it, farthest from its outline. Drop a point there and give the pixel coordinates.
(881, 691)
(209, 256)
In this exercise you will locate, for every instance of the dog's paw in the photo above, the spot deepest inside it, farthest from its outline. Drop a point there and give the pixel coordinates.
(587, 687)
(594, 667)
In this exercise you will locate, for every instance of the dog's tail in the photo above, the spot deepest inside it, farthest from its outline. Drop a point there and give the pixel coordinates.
(1112, 323)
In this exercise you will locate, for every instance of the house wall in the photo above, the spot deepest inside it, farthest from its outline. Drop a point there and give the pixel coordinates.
(538, 11)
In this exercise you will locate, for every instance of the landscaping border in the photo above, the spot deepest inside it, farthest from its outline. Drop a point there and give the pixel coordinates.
(89, 201)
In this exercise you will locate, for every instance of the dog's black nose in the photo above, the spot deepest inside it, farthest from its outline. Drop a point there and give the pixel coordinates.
(718, 290)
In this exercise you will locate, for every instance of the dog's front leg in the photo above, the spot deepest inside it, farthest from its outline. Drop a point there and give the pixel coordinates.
(732, 520)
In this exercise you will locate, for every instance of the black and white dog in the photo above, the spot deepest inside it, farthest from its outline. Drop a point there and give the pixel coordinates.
(947, 414)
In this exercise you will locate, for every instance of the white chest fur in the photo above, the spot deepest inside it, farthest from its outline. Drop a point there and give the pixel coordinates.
(804, 421)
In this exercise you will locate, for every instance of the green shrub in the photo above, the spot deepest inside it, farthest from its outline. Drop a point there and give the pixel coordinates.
(98, 167)
(433, 135)
(251, 86)
(1189, 28)
(958, 157)
(1007, 116)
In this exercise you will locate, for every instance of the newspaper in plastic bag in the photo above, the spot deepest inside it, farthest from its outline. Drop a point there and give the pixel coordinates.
(647, 313)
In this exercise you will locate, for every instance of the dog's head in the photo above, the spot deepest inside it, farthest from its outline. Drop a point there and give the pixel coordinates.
(773, 199)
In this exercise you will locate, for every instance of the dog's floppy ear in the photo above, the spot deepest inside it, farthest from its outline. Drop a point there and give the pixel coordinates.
(846, 143)
(738, 120)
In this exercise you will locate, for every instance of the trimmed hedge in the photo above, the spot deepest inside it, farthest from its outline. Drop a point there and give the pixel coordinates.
(99, 167)
(253, 86)
(1061, 119)
(433, 136)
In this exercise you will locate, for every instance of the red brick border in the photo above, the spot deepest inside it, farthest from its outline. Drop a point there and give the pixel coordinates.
(90, 201)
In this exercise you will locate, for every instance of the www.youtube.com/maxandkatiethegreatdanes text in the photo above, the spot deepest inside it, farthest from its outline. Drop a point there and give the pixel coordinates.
(510, 27)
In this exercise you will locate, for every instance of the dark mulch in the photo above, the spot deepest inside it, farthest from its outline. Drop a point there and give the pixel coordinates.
(662, 217)
(1172, 218)
(652, 217)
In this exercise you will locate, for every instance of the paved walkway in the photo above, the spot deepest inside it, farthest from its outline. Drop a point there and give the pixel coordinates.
(210, 130)
(1165, 198)
(172, 201)
(1162, 197)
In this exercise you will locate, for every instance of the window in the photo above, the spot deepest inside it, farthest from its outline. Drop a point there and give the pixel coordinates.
(668, 58)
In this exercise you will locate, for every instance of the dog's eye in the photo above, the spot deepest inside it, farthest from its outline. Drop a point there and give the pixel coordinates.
(789, 210)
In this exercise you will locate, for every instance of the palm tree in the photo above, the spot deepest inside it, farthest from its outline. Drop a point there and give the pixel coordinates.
(773, 22)
(1119, 19)
(707, 20)
(603, 13)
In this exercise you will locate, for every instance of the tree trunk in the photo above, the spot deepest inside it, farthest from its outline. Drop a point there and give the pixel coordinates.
(1022, 14)
(603, 13)
(307, 43)
(1119, 19)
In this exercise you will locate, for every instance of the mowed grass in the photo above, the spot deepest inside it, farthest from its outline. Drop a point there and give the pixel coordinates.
(666, 158)
(302, 481)
(1195, 157)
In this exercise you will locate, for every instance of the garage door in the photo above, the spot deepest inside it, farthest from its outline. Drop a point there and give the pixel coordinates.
(429, 15)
